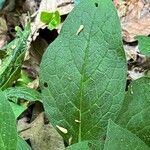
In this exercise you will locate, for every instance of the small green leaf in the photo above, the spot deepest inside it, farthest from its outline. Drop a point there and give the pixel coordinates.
(8, 132)
(52, 19)
(83, 72)
(144, 44)
(23, 80)
(18, 29)
(46, 17)
(134, 115)
(23, 93)
(55, 21)
(118, 138)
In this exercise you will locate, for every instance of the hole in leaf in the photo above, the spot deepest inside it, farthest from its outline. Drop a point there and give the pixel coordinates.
(96, 4)
(45, 84)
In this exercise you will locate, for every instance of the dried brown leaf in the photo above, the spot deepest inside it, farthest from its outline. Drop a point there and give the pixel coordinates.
(135, 18)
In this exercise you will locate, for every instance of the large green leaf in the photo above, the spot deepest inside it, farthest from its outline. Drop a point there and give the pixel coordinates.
(144, 44)
(134, 114)
(83, 72)
(121, 139)
(22, 145)
(87, 145)
(8, 133)
(116, 138)
(17, 109)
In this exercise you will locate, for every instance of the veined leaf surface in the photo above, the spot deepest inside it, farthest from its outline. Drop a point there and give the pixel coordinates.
(121, 139)
(8, 132)
(83, 72)
(134, 114)
(117, 138)
(87, 145)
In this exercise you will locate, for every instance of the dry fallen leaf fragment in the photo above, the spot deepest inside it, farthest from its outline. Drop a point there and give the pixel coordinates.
(42, 136)
(65, 6)
(3, 32)
(135, 18)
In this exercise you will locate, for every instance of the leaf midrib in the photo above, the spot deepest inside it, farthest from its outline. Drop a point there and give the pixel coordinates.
(86, 51)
